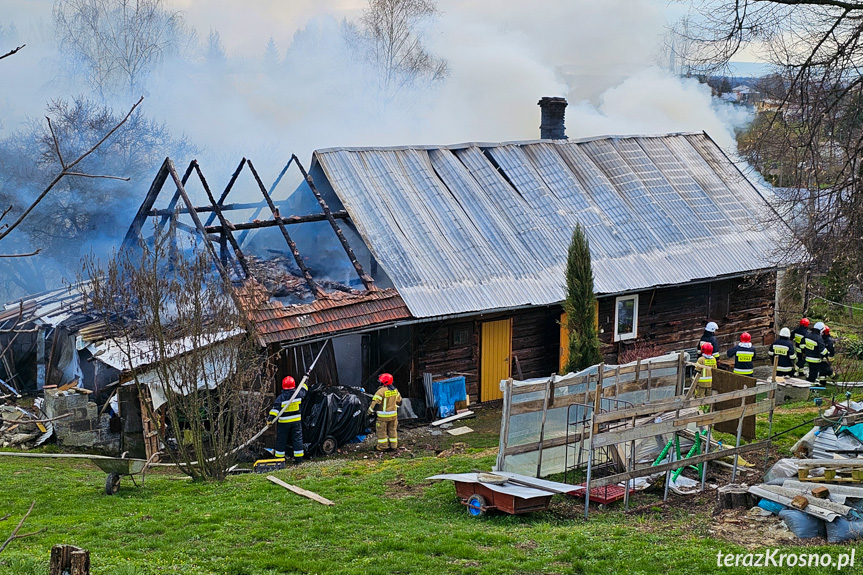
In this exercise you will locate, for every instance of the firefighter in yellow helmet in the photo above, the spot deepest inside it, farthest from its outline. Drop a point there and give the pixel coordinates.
(389, 399)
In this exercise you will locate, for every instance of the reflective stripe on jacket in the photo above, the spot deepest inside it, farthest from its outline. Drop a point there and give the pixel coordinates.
(292, 411)
(389, 399)
(783, 348)
(743, 357)
(705, 365)
(799, 334)
(813, 347)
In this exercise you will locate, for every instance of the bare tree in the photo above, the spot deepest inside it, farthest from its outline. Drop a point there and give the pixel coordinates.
(15, 532)
(812, 136)
(68, 168)
(168, 311)
(117, 41)
(393, 28)
(81, 211)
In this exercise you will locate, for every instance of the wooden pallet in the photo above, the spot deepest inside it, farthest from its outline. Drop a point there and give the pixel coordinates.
(838, 472)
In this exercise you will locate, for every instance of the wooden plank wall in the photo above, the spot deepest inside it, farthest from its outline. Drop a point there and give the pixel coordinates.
(674, 318)
(535, 335)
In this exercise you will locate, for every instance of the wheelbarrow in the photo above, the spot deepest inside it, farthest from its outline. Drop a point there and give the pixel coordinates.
(117, 467)
(512, 493)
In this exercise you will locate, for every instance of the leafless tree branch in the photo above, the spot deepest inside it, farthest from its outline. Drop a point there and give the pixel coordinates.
(11, 52)
(81, 175)
(33, 253)
(65, 172)
(15, 535)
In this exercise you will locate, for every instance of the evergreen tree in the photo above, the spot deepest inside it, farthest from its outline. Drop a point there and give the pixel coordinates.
(580, 305)
(270, 62)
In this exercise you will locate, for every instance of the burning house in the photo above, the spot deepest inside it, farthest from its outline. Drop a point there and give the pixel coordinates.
(449, 260)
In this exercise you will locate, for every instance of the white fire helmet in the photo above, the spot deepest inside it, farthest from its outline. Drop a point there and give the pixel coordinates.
(784, 332)
(819, 326)
(711, 327)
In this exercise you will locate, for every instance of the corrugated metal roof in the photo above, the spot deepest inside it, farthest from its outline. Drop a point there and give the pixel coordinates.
(338, 313)
(476, 227)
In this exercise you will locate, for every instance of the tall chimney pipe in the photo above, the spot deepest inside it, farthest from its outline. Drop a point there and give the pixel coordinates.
(553, 113)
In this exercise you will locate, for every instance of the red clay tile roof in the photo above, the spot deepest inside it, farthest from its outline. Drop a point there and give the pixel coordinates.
(340, 312)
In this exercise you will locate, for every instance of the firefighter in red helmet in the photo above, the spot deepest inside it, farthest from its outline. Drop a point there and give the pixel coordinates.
(389, 399)
(704, 368)
(289, 425)
(743, 354)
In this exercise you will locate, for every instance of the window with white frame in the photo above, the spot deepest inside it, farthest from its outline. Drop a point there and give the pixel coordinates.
(626, 317)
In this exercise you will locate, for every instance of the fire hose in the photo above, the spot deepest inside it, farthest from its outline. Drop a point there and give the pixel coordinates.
(285, 404)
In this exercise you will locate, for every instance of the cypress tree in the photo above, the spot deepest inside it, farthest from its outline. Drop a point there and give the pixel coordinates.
(580, 305)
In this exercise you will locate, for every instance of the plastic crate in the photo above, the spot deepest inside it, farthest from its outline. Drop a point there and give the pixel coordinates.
(267, 465)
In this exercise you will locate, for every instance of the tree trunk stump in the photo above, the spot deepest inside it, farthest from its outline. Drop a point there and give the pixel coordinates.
(69, 558)
(80, 562)
(734, 496)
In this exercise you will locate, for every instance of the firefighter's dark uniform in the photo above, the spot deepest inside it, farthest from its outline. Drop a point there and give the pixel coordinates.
(290, 422)
(798, 335)
(743, 355)
(783, 348)
(813, 347)
(709, 337)
(389, 399)
(826, 369)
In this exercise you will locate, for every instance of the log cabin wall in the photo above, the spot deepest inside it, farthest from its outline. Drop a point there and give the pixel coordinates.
(674, 318)
(452, 347)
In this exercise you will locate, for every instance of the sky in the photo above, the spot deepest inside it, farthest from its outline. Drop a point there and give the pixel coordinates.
(607, 58)
(503, 56)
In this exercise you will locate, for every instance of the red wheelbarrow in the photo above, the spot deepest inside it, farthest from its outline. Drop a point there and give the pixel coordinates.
(507, 492)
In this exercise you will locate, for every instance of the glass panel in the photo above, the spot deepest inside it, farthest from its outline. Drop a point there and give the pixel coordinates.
(625, 316)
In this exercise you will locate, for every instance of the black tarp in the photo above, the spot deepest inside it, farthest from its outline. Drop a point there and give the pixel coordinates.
(334, 411)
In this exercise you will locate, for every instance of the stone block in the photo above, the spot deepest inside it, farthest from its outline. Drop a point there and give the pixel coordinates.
(81, 425)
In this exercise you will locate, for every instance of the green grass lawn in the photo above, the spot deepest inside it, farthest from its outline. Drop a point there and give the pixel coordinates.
(387, 519)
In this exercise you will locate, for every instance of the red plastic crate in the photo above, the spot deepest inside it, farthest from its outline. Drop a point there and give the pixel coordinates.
(605, 495)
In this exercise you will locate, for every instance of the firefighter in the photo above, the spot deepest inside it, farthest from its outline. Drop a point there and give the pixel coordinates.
(389, 399)
(799, 334)
(813, 348)
(743, 354)
(290, 421)
(709, 336)
(704, 367)
(783, 348)
(826, 369)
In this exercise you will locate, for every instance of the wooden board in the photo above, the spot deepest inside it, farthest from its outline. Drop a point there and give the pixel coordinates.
(300, 491)
(725, 382)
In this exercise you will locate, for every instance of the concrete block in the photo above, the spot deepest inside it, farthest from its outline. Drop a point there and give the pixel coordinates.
(81, 425)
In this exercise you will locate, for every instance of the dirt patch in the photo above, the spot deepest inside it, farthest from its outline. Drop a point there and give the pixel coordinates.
(399, 488)
(751, 530)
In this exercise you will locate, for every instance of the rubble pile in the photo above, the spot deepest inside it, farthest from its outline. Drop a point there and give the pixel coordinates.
(819, 493)
(282, 278)
(19, 427)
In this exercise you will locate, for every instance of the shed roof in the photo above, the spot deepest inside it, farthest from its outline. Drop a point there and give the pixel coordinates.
(475, 227)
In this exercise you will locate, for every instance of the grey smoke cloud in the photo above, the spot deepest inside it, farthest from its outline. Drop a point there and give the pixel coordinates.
(503, 56)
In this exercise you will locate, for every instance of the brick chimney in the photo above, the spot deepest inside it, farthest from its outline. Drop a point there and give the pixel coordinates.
(553, 113)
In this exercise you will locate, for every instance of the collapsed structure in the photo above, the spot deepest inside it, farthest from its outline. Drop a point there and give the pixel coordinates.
(449, 260)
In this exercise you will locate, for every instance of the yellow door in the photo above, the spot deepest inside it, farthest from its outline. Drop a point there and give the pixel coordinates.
(495, 352)
(564, 342)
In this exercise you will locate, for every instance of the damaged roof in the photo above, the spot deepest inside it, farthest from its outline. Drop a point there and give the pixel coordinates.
(337, 313)
(477, 227)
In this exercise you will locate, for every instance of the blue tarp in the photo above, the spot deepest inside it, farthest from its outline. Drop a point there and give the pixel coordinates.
(446, 392)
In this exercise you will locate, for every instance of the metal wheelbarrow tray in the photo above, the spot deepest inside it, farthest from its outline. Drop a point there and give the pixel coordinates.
(118, 467)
